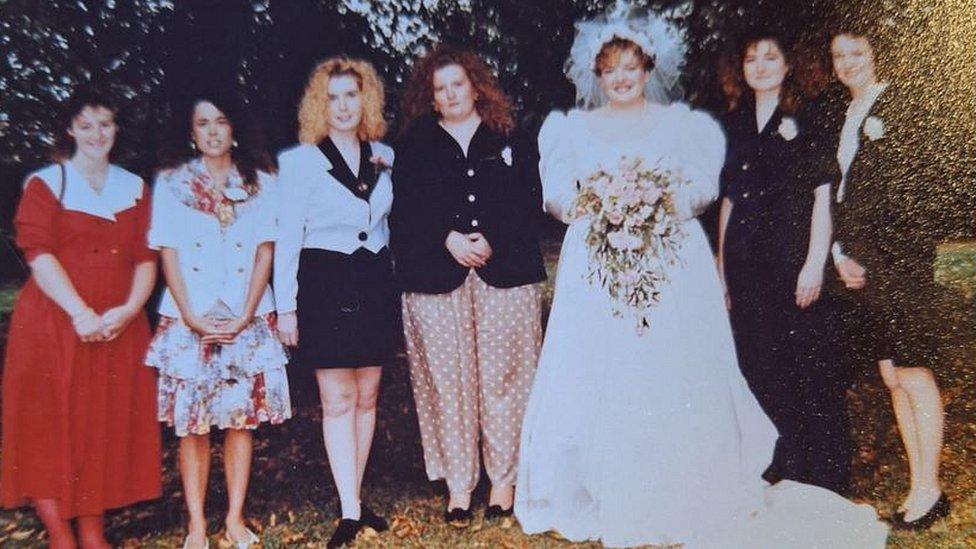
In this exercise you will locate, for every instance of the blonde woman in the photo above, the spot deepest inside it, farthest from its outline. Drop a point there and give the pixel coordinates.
(333, 273)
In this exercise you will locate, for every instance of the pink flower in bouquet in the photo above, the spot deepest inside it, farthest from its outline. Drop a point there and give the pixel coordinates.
(629, 277)
(615, 217)
(630, 196)
(652, 194)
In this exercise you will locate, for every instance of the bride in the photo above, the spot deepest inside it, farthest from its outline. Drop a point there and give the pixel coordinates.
(652, 437)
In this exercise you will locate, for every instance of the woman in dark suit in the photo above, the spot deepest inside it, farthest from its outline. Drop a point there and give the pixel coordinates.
(464, 224)
(774, 236)
(884, 253)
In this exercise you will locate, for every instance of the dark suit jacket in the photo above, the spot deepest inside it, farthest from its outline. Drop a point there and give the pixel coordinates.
(494, 190)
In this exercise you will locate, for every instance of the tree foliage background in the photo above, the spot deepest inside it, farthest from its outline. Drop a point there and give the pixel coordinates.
(152, 51)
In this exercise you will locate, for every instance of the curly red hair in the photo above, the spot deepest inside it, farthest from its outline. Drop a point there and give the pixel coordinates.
(493, 105)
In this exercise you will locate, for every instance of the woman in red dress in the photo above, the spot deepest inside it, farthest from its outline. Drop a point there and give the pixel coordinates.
(79, 425)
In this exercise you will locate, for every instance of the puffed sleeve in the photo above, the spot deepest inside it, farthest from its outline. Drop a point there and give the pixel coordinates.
(292, 200)
(557, 168)
(698, 160)
(141, 251)
(164, 224)
(35, 222)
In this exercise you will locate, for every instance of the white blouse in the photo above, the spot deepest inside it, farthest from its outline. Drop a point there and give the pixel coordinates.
(318, 211)
(122, 189)
(216, 262)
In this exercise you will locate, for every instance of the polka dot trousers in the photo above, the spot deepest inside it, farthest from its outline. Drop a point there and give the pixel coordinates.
(473, 355)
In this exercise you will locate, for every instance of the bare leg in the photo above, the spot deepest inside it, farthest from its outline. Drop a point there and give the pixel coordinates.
(502, 496)
(906, 425)
(339, 395)
(238, 444)
(927, 413)
(58, 528)
(194, 470)
(368, 386)
(91, 532)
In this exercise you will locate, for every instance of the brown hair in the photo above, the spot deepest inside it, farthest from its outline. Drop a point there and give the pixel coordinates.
(609, 55)
(733, 80)
(250, 153)
(82, 98)
(493, 106)
(313, 111)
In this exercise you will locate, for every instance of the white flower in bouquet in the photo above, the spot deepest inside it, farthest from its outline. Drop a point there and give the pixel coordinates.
(633, 235)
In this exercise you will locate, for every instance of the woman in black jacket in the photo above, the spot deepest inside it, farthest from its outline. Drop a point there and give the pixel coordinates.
(464, 237)
(884, 252)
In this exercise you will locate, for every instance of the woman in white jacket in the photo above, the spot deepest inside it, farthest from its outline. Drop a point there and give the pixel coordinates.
(219, 359)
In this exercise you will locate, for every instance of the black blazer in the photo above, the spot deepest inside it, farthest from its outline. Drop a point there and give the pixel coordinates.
(494, 190)
(887, 220)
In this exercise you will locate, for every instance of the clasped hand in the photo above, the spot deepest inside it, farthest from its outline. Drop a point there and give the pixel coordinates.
(94, 328)
(469, 250)
(217, 331)
(851, 273)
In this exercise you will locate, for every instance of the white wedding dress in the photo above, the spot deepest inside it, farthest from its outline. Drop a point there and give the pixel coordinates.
(655, 438)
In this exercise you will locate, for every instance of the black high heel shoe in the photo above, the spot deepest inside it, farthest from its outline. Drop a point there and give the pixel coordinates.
(939, 510)
(371, 519)
(459, 518)
(345, 533)
(495, 512)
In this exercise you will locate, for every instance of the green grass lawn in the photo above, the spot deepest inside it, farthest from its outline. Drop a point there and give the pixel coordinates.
(293, 503)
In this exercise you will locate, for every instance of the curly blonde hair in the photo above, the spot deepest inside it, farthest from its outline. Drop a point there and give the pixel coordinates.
(313, 111)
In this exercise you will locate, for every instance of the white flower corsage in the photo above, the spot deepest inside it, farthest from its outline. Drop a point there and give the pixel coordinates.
(507, 156)
(235, 194)
(874, 128)
(787, 129)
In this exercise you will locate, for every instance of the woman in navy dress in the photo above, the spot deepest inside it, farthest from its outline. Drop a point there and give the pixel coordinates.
(774, 239)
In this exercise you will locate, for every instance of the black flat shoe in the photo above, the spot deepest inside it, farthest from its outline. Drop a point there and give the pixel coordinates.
(371, 519)
(495, 512)
(458, 517)
(939, 510)
(345, 533)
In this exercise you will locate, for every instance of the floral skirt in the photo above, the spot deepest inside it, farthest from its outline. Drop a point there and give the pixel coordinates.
(234, 386)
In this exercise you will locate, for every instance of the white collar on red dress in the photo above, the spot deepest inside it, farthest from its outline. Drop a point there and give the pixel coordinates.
(122, 189)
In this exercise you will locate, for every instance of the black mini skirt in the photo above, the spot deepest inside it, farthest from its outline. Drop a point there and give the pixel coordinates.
(348, 310)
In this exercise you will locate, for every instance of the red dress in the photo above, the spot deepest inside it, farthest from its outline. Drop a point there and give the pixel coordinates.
(79, 423)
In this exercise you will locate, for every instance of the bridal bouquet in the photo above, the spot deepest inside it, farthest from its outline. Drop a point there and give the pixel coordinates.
(634, 235)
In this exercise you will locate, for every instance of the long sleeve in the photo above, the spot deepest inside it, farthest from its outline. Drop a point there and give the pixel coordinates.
(698, 161)
(291, 198)
(557, 168)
